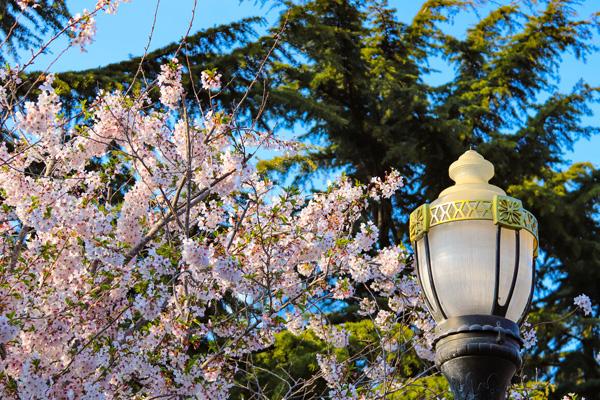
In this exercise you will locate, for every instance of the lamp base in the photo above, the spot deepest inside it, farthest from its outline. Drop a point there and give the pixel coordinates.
(479, 355)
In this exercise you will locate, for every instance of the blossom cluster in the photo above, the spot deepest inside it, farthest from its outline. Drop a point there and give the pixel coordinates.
(83, 29)
(110, 6)
(169, 82)
(387, 187)
(211, 80)
(572, 396)
(528, 335)
(584, 303)
(25, 4)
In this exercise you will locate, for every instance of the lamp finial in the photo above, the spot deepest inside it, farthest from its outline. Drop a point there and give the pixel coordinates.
(471, 167)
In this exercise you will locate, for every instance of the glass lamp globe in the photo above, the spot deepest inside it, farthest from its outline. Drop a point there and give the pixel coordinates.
(475, 247)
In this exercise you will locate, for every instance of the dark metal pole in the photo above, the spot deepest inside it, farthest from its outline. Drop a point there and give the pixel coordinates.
(479, 355)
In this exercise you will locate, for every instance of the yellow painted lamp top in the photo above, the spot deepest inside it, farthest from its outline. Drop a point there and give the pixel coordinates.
(471, 172)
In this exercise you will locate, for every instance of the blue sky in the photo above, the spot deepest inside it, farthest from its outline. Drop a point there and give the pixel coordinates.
(126, 34)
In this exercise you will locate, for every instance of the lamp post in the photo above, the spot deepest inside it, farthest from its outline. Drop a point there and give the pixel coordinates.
(475, 250)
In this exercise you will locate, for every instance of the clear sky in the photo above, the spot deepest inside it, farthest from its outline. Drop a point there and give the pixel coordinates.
(126, 34)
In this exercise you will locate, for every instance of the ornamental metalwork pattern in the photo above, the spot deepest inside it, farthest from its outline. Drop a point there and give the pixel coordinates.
(505, 211)
(419, 222)
(508, 212)
(461, 210)
(530, 223)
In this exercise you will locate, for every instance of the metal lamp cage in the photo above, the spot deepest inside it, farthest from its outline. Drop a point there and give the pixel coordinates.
(508, 216)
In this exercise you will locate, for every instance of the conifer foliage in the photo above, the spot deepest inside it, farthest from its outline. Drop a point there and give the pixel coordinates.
(360, 85)
(22, 26)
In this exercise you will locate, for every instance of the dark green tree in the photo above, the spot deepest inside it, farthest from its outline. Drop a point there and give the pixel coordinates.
(235, 50)
(24, 29)
(357, 79)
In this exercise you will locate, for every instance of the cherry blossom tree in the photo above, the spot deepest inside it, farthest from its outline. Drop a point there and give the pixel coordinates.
(203, 260)
(201, 263)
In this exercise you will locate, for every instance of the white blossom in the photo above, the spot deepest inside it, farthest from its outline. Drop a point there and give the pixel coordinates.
(528, 335)
(424, 352)
(169, 82)
(367, 307)
(211, 80)
(7, 331)
(83, 29)
(331, 369)
(584, 303)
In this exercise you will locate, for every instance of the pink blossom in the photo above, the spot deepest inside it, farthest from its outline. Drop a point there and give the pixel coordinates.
(387, 187)
(331, 369)
(24, 4)
(334, 335)
(130, 222)
(391, 261)
(366, 237)
(343, 289)
(379, 369)
(384, 320)
(110, 6)
(169, 82)
(7, 331)
(41, 118)
(83, 29)
(211, 80)
(528, 334)
(584, 303)
(367, 307)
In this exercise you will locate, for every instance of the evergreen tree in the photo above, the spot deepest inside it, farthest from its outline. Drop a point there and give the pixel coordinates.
(357, 79)
(235, 50)
(25, 28)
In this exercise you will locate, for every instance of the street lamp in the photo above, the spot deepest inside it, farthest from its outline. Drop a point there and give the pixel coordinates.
(475, 250)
